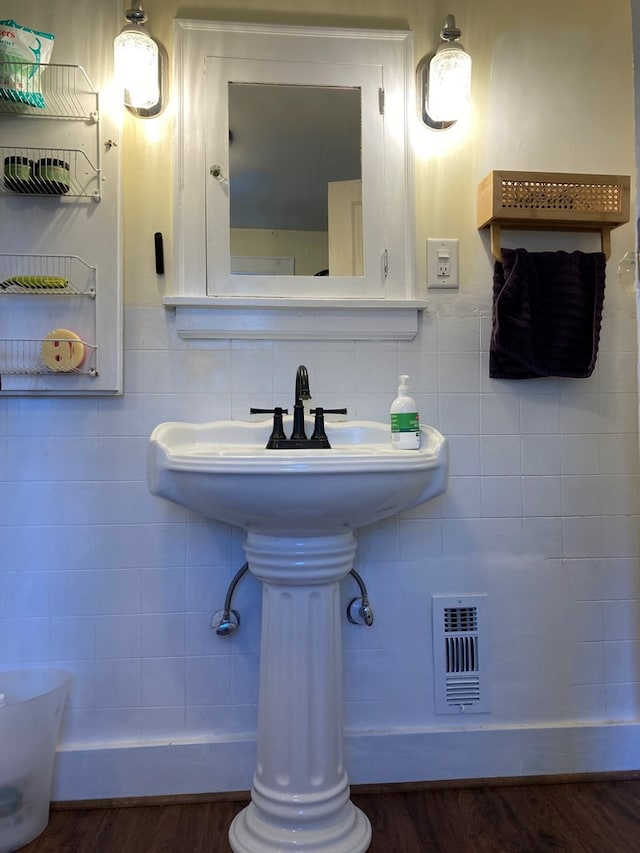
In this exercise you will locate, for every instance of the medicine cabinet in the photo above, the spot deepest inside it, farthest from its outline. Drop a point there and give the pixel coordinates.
(59, 252)
(294, 203)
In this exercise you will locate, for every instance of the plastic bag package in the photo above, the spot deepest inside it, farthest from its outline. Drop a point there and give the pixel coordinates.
(22, 52)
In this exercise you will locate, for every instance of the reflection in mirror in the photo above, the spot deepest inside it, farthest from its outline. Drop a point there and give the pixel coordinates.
(295, 180)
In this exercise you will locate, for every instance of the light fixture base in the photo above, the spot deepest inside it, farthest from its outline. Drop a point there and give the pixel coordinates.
(136, 16)
(449, 31)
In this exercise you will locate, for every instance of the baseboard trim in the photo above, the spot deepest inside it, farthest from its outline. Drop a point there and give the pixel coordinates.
(499, 782)
(163, 800)
(456, 757)
(365, 790)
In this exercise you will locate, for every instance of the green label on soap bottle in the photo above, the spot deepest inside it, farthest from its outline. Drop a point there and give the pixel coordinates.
(405, 422)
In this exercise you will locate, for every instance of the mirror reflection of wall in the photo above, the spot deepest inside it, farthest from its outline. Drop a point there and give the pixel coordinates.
(291, 150)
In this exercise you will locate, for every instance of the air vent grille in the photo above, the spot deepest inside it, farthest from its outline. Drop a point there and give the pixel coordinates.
(460, 653)
(463, 691)
(460, 619)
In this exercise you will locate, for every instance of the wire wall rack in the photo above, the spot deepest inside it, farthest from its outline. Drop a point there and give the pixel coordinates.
(47, 91)
(27, 357)
(61, 172)
(46, 275)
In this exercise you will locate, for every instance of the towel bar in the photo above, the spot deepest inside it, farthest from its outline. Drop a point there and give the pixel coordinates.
(495, 229)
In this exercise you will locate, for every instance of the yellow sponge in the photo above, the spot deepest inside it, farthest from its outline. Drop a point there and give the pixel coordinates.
(62, 350)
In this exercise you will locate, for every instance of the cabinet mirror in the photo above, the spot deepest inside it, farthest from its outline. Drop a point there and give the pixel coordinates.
(293, 180)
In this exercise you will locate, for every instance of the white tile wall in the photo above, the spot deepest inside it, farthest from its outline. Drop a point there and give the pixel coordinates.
(119, 587)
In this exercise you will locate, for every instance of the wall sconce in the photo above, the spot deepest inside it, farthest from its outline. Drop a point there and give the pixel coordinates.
(444, 80)
(139, 65)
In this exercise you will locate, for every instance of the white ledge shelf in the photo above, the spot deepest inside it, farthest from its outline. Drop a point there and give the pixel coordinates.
(295, 319)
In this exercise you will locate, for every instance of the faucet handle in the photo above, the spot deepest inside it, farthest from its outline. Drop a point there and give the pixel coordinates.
(319, 434)
(330, 411)
(277, 432)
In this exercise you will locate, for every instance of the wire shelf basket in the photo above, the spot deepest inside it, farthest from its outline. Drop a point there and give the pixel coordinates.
(61, 172)
(47, 90)
(33, 357)
(46, 275)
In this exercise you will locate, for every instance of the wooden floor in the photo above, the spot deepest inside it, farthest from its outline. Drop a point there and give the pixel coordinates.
(584, 817)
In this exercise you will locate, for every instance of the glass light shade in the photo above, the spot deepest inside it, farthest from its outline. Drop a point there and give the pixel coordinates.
(449, 83)
(136, 65)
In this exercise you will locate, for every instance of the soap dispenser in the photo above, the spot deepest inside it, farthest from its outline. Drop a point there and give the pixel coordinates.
(405, 422)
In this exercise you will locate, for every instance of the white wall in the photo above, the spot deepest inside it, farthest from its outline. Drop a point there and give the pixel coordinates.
(541, 514)
(309, 249)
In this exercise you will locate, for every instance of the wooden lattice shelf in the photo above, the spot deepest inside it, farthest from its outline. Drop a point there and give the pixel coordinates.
(553, 201)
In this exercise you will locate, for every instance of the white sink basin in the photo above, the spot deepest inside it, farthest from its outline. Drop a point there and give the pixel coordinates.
(299, 509)
(221, 470)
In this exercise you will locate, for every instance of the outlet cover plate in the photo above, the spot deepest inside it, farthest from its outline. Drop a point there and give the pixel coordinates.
(442, 264)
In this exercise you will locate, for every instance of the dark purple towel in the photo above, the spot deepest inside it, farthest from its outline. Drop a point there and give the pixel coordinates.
(547, 310)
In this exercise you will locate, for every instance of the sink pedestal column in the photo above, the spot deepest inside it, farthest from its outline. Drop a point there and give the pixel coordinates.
(300, 793)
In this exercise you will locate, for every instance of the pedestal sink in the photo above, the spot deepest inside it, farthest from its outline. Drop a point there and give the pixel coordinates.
(299, 509)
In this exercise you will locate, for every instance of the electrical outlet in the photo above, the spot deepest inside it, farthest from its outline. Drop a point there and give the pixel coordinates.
(442, 264)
